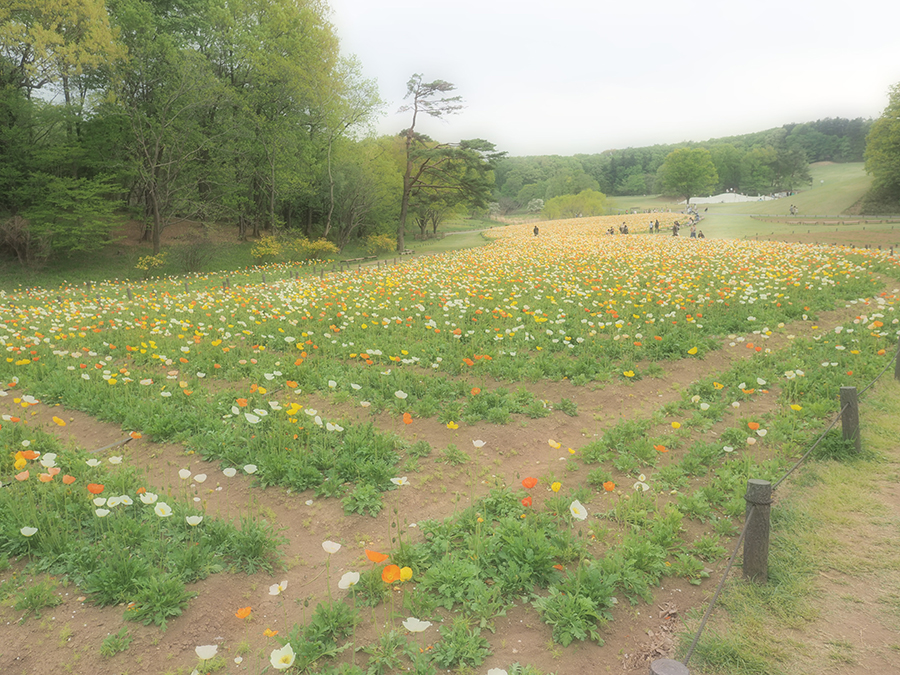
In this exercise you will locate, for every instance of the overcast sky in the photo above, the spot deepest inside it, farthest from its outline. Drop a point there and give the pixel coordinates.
(577, 76)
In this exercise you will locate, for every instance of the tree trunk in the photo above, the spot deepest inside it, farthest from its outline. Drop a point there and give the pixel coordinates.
(404, 208)
(157, 222)
(330, 192)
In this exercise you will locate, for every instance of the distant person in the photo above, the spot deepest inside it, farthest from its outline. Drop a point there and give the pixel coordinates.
(675, 229)
(700, 235)
(656, 225)
(536, 231)
(693, 231)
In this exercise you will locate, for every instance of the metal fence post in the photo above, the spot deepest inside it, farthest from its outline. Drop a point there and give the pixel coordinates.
(756, 540)
(850, 416)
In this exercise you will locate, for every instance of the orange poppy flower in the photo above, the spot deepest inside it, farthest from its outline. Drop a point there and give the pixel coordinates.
(609, 486)
(660, 448)
(242, 402)
(243, 612)
(376, 557)
(135, 435)
(753, 425)
(390, 574)
(45, 477)
(475, 391)
(22, 476)
(68, 480)
(407, 418)
(291, 384)
(95, 488)
(469, 362)
(526, 502)
(268, 632)
(141, 490)
(53, 470)
(529, 482)
(30, 454)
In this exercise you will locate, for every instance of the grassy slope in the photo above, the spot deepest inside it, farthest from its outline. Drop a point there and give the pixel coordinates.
(834, 189)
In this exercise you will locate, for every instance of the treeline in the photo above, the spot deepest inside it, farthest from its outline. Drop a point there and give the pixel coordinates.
(761, 162)
(228, 111)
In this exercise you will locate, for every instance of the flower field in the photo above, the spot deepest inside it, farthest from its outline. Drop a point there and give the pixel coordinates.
(553, 431)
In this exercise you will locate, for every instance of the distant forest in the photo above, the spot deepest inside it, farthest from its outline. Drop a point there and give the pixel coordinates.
(757, 163)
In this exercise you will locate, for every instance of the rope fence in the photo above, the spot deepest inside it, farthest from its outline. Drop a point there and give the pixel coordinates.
(754, 536)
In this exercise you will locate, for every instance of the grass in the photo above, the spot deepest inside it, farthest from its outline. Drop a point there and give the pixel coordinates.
(835, 188)
(815, 531)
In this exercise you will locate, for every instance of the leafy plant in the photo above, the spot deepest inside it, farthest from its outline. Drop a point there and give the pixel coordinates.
(572, 617)
(365, 498)
(158, 599)
(460, 645)
(454, 456)
(34, 598)
(116, 642)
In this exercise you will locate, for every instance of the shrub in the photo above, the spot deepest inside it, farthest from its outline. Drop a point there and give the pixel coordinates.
(379, 243)
(267, 249)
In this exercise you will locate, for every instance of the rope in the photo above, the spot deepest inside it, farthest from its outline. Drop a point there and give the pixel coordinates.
(813, 447)
(752, 510)
(112, 445)
(715, 597)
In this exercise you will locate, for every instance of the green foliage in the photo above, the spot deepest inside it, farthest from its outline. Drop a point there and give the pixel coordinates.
(302, 248)
(365, 498)
(883, 148)
(573, 617)
(454, 456)
(116, 642)
(268, 248)
(35, 597)
(385, 655)
(376, 244)
(585, 203)
(158, 598)
(688, 172)
(460, 645)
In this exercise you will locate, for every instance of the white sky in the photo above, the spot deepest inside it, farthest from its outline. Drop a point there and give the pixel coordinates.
(579, 76)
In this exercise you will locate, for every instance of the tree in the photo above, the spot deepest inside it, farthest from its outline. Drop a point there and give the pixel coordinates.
(758, 171)
(585, 203)
(55, 41)
(883, 149)
(791, 168)
(427, 98)
(688, 172)
(727, 159)
(451, 173)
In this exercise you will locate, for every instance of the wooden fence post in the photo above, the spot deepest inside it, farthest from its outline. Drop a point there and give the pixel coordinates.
(756, 539)
(897, 362)
(668, 667)
(850, 416)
